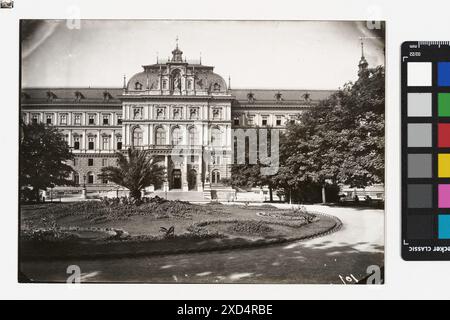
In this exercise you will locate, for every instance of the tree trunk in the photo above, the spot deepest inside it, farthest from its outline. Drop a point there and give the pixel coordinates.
(36, 194)
(136, 194)
(271, 194)
(324, 197)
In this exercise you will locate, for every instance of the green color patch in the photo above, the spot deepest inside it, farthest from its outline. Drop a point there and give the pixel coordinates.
(444, 105)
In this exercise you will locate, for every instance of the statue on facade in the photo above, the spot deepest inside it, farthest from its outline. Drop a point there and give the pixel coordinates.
(177, 82)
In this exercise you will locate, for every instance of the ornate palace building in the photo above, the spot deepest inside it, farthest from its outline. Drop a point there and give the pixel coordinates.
(180, 111)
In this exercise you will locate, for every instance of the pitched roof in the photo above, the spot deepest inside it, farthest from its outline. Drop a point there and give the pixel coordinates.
(69, 95)
(96, 95)
(270, 95)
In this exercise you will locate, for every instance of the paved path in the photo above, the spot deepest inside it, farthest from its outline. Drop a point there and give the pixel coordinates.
(331, 259)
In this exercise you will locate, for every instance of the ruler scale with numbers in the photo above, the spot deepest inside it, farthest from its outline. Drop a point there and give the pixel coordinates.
(425, 107)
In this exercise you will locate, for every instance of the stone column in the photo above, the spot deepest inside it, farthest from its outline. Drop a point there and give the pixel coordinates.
(166, 183)
(199, 173)
(151, 139)
(85, 144)
(184, 177)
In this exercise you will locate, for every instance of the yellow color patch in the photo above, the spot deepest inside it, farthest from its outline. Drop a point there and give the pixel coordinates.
(444, 165)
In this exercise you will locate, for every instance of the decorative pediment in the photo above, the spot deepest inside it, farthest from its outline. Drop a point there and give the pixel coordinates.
(160, 112)
(137, 112)
(193, 113)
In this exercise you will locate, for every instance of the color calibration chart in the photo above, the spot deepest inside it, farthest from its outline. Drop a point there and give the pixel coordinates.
(425, 86)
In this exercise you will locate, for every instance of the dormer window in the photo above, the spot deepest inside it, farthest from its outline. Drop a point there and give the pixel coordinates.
(189, 84)
(78, 96)
(106, 96)
(138, 86)
(306, 96)
(216, 87)
(25, 96)
(50, 96)
(251, 97)
(278, 96)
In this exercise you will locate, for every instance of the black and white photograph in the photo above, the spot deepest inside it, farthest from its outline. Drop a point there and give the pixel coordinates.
(202, 152)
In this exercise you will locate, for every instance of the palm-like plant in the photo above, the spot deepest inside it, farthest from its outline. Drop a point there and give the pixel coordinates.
(135, 171)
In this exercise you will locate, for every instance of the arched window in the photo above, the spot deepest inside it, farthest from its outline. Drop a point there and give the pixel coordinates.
(193, 136)
(216, 137)
(137, 137)
(215, 176)
(177, 136)
(160, 136)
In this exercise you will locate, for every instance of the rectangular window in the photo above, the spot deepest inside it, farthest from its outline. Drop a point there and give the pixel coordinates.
(90, 179)
(77, 119)
(264, 121)
(278, 121)
(105, 120)
(90, 162)
(49, 119)
(76, 145)
(119, 145)
(63, 119)
(91, 144)
(236, 121)
(75, 161)
(35, 118)
(104, 162)
(91, 119)
(105, 144)
(119, 119)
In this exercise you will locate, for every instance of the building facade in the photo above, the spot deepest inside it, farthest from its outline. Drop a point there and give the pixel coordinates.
(179, 111)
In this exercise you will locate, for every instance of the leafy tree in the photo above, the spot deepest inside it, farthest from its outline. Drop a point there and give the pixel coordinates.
(136, 170)
(340, 141)
(43, 159)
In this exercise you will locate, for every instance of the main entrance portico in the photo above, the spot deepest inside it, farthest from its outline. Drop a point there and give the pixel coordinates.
(180, 112)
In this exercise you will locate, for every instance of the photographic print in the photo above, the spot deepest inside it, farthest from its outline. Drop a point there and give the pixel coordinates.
(199, 151)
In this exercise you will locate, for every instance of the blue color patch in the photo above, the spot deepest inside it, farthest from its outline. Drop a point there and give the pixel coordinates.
(444, 226)
(444, 74)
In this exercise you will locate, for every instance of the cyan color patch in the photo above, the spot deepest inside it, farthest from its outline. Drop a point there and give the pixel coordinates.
(444, 226)
(444, 74)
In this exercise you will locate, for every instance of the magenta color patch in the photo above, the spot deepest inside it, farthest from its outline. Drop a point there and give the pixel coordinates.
(444, 196)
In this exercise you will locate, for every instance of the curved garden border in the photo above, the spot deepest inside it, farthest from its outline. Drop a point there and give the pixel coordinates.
(137, 248)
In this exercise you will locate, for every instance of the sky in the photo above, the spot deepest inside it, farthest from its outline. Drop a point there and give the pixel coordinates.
(255, 54)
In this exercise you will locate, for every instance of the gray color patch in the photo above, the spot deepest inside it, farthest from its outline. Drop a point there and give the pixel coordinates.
(419, 105)
(419, 166)
(419, 135)
(420, 196)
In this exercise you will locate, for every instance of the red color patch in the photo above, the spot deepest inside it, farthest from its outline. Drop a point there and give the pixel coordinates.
(444, 135)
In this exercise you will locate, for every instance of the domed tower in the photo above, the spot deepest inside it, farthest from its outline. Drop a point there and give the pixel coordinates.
(177, 54)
